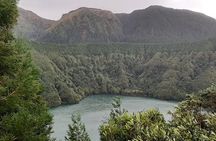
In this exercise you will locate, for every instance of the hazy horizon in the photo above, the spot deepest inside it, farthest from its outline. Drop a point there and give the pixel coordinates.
(54, 9)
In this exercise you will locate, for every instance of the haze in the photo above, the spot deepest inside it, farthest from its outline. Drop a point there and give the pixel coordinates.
(53, 9)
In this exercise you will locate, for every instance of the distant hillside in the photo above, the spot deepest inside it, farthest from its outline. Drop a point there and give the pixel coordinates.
(153, 24)
(85, 25)
(160, 24)
(31, 26)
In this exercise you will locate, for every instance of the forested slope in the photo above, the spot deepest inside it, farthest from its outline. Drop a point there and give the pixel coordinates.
(165, 71)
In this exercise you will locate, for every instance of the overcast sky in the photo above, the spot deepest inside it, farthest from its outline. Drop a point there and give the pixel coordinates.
(53, 9)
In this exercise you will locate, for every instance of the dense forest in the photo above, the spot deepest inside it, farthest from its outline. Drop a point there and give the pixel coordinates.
(164, 71)
(77, 71)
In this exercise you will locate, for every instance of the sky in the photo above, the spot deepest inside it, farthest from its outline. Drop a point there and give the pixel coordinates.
(54, 9)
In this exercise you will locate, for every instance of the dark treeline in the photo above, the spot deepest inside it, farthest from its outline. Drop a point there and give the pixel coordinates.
(165, 71)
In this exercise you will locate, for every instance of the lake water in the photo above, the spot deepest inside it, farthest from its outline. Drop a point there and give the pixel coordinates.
(95, 109)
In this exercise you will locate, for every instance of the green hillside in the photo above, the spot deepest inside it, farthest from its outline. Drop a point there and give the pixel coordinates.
(165, 71)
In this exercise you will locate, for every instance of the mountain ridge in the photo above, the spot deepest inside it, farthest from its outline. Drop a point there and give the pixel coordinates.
(30, 25)
(83, 25)
(167, 24)
(153, 24)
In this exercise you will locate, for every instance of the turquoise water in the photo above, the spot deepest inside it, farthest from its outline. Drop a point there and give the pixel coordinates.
(95, 109)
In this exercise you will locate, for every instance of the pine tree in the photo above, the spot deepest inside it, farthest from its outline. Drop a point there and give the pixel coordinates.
(23, 114)
(116, 110)
(77, 130)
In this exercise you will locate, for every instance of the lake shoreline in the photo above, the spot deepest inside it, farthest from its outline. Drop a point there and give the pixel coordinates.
(95, 109)
(117, 95)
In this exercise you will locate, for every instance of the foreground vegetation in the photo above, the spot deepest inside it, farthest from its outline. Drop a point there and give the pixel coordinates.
(23, 114)
(165, 71)
(193, 120)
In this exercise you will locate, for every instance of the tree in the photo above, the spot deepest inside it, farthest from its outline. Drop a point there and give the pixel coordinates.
(191, 120)
(23, 114)
(123, 126)
(116, 110)
(8, 17)
(77, 130)
(8, 13)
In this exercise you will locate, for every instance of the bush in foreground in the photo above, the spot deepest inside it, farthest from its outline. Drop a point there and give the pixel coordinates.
(192, 120)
